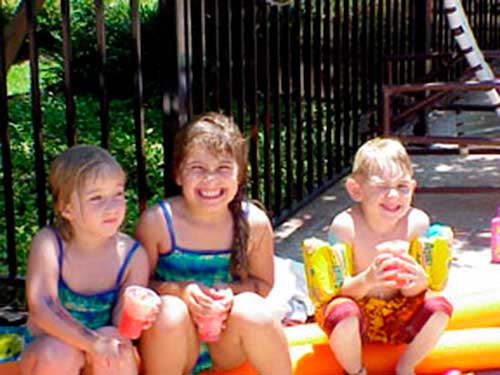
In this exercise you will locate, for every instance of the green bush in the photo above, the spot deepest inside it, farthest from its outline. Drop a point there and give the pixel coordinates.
(85, 58)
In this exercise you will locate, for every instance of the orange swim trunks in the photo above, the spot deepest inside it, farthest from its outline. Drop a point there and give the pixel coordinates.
(394, 321)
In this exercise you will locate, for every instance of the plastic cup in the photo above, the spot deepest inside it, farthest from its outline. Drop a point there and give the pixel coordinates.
(396, 248)
(139, 304)
(210, 327)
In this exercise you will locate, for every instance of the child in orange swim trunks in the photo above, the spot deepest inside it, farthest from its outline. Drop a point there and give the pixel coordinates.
(386, 298)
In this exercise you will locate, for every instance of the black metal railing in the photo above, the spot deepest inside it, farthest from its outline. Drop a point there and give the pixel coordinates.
(304, 82)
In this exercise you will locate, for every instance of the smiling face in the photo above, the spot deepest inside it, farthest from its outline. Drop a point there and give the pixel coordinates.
(98, 207)
(386, 197)
(382, 181)
(208, 179)
(210, 161)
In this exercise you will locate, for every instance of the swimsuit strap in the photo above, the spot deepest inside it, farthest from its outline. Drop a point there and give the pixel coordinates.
(168, 218)
(130, 253)
(60, 249)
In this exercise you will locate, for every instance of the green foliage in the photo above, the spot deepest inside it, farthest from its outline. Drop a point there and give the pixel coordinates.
(122, 147)
(85, 57)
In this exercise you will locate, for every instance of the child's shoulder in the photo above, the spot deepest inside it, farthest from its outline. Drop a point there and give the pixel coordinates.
(418, 222)
(255, 213)
(46, 236)
(151, 213)
(342, 226)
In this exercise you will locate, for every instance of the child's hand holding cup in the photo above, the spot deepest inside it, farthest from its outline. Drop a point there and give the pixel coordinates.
(210, 325)
(392, 253)
(140, 306)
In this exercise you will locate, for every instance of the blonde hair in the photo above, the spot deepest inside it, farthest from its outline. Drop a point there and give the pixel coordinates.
(381, 155)
(220, 135)
(70, 171)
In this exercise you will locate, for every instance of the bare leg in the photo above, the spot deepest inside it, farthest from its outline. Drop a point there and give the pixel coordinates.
(126, 364)
(48, 355)
(170, 346)
(345, 342)
(422, 344)
(252, 333)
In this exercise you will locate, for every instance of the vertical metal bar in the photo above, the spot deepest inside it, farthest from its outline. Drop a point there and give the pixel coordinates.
(422, 46)
(372, 67)
(199, 56)
(446, 30)
(411, 39)
(396, 17)
(8, 196)
(327, 56)
(380, 56)
(266, 117)
(226, 42)
(213, 52)
(36, 113)
(297, 93)
(496, 27)
(346, 82)
(403, 42)
(240, 63)
(318, 79)
(355, 72)
(188, 55)
(337, 72)
(174, 94)
(491, 14)
(286, 69)
(365, 53)
(103, 90)
(71, 135)
(138, 103)
(251, 67)
(308, 94)
(276, 92)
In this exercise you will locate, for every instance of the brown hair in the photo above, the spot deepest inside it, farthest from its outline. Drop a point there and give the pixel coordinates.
(380, 155)
(219, 134)
(70, 171)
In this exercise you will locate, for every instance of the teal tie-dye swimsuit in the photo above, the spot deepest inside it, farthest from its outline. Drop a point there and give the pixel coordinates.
(92, 310)
(204, 266)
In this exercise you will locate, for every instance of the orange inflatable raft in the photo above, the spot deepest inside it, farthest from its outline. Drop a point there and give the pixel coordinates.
(471, 342)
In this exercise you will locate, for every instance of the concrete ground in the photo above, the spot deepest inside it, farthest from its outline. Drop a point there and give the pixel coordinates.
(468, 213)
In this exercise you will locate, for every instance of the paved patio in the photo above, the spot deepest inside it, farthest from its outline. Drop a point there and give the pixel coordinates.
(469, 214)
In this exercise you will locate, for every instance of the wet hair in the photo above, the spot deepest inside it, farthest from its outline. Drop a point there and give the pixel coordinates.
(381, 155)
(220, 135)
(70, 171)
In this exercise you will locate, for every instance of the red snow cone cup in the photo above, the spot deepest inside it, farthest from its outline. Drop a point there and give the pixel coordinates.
(138, 306)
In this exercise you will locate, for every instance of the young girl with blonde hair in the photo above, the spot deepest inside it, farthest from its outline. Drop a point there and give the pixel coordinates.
(78, 268)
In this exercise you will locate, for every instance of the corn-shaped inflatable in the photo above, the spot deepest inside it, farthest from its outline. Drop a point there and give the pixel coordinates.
(433, 253)
(325, 267)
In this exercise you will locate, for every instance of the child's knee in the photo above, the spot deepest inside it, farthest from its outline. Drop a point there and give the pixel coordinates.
(341, 313)
(173, 314)
(56, 357)
(251, 309)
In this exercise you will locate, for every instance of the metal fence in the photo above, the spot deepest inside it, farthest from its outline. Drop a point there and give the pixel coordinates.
(303, 81)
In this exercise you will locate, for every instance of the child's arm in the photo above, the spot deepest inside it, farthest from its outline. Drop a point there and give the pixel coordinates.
(44, 307)
(417, 280)
(137, 273)
(260, 255)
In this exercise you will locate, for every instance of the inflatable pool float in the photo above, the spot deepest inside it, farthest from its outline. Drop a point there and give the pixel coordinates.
(464, 350)
(471, 342)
